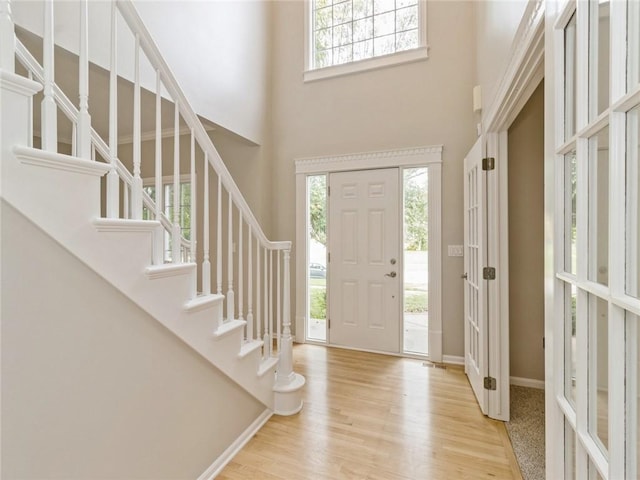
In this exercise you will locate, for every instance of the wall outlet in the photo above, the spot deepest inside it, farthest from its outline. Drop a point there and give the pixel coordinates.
(456, 251)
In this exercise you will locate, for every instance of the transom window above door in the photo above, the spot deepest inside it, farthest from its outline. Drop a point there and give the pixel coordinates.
(346, 36)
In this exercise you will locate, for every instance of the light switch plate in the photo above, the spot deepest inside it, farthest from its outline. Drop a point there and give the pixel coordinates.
(455, 250)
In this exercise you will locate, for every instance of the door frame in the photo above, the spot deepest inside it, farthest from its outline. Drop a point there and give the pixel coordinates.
(523, 73)
(431, 157)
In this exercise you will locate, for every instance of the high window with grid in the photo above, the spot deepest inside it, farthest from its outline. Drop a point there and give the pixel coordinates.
(346, 31)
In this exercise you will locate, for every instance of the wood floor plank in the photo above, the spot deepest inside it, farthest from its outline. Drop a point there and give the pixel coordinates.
(377, 417)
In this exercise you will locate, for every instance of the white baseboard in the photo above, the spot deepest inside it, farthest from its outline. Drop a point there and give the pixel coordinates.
(218, 465)
(453, 359)
(527, 382)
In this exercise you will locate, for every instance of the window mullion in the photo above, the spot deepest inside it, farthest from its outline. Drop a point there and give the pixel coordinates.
(582, 200)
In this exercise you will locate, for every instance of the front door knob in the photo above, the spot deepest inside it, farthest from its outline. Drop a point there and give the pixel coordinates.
(392, 274)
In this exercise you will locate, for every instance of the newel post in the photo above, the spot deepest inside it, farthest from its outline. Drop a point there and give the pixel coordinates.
(288, 388)
(7, 37)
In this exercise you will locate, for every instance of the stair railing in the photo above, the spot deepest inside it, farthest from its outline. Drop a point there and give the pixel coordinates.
(223, 222)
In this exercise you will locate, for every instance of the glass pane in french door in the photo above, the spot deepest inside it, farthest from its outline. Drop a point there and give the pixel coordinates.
(570, 212)
(570, 58)
(598, 261)
(632, 395)
(598, 57)
(632, 257)
(633, 42)
(570, 354)
(598, 371)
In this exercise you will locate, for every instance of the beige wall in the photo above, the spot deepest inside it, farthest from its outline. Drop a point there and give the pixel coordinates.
(92, 386)
(526, 248)
(416, 104)
(496, 23)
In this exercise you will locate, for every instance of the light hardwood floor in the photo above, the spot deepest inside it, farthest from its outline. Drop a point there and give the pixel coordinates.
(378, 417)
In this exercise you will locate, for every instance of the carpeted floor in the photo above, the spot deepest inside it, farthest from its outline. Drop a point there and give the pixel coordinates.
(526, 430)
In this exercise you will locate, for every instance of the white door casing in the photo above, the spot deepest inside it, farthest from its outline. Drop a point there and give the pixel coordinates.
(475, 292)
(365, 260)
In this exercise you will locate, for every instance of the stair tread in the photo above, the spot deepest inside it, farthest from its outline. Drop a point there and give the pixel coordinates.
(203, 301)
(267, 364)
(250, 346)
(59, 161)
(169, 269)
(228, 327)
(124, 225)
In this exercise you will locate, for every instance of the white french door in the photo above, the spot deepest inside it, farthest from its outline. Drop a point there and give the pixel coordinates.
(593, 113)
(365, 260)
(475, 292)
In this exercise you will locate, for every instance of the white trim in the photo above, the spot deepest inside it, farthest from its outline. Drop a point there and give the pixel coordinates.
(373, 63)
(453, 360)
(406, 157)
(435, 261)
(527, 382)
(238, 444)
(522, 75)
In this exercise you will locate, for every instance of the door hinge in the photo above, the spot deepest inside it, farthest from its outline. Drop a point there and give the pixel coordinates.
(328, 323)
(328, 191)
(328, 257)
(489, 273)
(488, 163)
(490, 383)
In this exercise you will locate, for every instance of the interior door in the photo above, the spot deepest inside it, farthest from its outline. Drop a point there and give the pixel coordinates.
(475, 292)
(364, 256)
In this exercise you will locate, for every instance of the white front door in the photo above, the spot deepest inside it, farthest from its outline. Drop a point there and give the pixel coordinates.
(475, 292)
(364, 256)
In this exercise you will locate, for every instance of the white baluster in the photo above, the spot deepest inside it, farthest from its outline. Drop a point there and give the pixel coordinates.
(7, 37)
(271, 299)
(125, 201)
(278, 319)
(230, 294)
(84, 119)
(113, 182)
(30, 117)
(240, 266)
(258, 303)
(219, 239)
(250, 287)
(49, 113)
(206, 264)
(159, 188)
(267, 336)
(136, 188)
(176, 236)
(193, 232)
(284, 374)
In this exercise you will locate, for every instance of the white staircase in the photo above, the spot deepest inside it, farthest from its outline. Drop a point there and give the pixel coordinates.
(246, 331)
